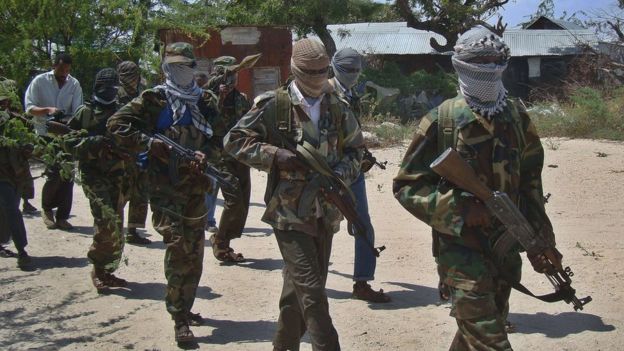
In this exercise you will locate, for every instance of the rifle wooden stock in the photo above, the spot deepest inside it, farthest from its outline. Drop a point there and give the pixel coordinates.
(451, 166)
(454, 168)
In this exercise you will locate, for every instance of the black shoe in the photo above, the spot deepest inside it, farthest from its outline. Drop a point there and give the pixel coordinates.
(136, 239)
(23, 260)
(6, 253)
(195, 319)
(28, 208)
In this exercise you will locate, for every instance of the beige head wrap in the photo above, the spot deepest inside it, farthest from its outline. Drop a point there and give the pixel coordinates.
(309, 64)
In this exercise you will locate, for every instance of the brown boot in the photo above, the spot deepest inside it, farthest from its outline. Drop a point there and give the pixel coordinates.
(363, 291)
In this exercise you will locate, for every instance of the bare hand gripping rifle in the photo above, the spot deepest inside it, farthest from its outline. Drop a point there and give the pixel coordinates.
(451, 166)
(190, 155)
(335, 191)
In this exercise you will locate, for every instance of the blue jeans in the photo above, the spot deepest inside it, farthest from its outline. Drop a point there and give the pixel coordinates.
(365, 260)
(211, 204)
(9, 204)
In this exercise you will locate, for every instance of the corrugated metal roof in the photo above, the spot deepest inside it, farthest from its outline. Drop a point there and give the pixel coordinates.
(395, 38)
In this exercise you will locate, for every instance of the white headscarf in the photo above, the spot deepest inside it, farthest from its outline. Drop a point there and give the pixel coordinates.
(481, 84)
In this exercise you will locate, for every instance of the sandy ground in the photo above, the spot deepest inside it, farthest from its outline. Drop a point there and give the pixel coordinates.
(55, 306)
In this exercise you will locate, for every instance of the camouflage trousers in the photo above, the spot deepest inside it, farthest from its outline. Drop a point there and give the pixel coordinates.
(479, 295)
(137, 194)
(106, 201)
(180, 220)
(303, 303)
(235, 201)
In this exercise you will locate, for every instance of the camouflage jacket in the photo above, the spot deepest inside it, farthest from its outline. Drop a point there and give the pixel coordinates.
(123, 97)
(91, 151)
(507, 158)
(257, 137)
(233, 107)
(353, 99)
(132, 125)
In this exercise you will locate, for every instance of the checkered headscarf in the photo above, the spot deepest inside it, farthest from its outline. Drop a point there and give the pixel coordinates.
(182, 92)
(481, 84)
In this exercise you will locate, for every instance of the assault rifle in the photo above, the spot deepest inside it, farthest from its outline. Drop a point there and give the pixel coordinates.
(335, 191)
(451, 166)
(189, 155)
(368, 161)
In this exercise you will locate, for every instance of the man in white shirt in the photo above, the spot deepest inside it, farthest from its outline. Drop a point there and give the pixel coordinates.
(55, 93)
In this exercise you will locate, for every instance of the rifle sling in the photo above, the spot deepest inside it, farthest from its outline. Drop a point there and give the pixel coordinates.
(318, 164)
(472, 241)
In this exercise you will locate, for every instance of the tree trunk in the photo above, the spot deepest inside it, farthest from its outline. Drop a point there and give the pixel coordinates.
(323, 34)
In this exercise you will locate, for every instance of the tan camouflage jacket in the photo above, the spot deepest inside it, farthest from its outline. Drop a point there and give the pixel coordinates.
(132, 126)
(506, 158)
(255, 140)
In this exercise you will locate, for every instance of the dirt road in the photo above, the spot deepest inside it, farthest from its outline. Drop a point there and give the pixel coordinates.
(55, 307)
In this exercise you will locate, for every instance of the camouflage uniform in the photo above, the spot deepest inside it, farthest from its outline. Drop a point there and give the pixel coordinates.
(136, 180)
(507, 155)
(236, 201)
(176, 192)
(102, 176)
(304, 240)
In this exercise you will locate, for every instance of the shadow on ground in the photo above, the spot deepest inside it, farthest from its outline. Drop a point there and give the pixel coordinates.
(413, 295)
(155, 291)
(227, 331)
(558, 325)
(264, 264)
(49, 328)
(50, 262)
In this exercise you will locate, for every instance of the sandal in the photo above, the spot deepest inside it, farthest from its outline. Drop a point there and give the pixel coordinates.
(6, 253)
(223, 252)
(98, 281)
(182, 332)
(195, 319)
(114, 282)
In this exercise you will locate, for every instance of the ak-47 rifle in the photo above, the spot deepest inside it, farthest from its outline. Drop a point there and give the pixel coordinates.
(451, 166)
(335, 191)
(188, 154)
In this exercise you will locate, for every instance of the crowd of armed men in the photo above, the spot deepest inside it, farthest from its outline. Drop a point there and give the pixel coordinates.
(141, 146)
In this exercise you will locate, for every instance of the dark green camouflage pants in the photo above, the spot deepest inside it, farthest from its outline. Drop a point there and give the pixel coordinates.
(479, 295)
(137, 193)
(106, 201)
(303, 303)
(180, 220)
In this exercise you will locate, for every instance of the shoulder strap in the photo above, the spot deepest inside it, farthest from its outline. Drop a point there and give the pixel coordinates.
(447, 133)
(282, 111)
(336, 114)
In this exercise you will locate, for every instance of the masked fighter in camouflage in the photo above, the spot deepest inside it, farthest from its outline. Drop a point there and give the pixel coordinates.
(301, 114)
(233, 105)
(136, 180)
(495, 135)
(188, 115)
(102, 176)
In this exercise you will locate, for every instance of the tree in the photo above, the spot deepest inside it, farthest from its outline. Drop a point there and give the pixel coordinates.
(307, 16)
(98, 33)
(449, 18)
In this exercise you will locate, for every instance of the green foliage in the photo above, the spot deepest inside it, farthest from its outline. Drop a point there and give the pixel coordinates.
(435, 83)
(588, 114)
(99, 33)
